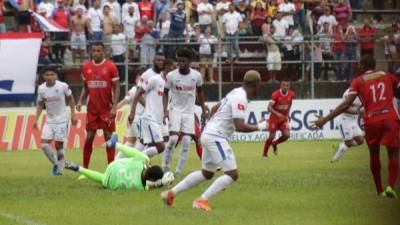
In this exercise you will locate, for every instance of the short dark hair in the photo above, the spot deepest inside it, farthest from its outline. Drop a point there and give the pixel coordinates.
(106, 6)
(153, 173)
(98, 43)
(285, 80)
(54, 69)
(368, 61)
(169, 62)
(160, 54)
(185, 53)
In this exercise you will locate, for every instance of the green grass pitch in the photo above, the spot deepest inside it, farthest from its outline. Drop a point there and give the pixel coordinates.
(299, 186)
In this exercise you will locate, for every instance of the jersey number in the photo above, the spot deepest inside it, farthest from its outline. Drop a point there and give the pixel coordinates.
(380, 88)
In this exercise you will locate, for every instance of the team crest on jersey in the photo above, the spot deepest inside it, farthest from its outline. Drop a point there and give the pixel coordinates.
(240, 107)
(89, 71)
(104, 71)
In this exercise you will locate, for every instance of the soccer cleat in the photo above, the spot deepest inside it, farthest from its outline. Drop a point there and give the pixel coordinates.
(390, 193)
(54, 171)
(201, 204)
(71, 166)
(177, 173)
(113, 141)
(338, 154)
(168, 198)
(275, 149)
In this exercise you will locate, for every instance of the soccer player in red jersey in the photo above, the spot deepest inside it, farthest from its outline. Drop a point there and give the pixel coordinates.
(279, 108)
(376, 89)
(101, 84)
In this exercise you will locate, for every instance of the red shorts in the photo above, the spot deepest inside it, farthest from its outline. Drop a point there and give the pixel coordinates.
(384, 132)
(102, 120)
(274, 125)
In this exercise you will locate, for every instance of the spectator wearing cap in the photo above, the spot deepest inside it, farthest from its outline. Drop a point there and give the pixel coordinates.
(366, 35)
(287, 9)
(326, 39)
(327, 17)
(125, 10)
(61, 15)
(2, 11)
(109, 24)
(95, 20)
(231, 22)
(160, 7)
(342, 12)
(47, 6)
(177, 27)
(129, 23)
(78, 38)
(351, 43)
(205, 12)
(257, 17)
(280, 25)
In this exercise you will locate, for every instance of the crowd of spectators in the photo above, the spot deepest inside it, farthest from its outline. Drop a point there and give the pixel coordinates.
(134, 31)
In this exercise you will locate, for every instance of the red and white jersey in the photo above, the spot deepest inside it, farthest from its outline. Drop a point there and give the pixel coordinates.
(98, 80)
(233, 106)
(143, 80)
(154, 88)
(183, 90)
(376, 91)
(282, 103)
(54, 100)
(129, 98)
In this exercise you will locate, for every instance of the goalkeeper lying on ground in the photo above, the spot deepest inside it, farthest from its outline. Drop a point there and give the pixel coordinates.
(133, 172)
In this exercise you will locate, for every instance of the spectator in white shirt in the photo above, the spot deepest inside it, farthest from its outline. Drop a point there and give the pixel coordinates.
(206, 50)
(95, 20)
(125, 9)
(287, 9)
(115, 9)
(280, 25)
(118, 46)
(205, 11)
(129, 22)
(163, 25)
(46, 6)
(231, 22)
(222, 7)
(326, 18)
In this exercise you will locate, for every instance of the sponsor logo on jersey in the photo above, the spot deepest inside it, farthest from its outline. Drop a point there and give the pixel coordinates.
(184, 88)
(97, 84)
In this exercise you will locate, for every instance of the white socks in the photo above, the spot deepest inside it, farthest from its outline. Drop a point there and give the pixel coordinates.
(61, 160)
(184, 152)
(151, 151)
(220, 184)
(169, 150)
(48, 151)
(190, 181)
(139, 146)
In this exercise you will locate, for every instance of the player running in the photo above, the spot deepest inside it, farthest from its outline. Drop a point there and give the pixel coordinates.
(279, 108)
(133, 172)
(183, 84)
(134, 134)
(348, 125)
(226, 117)
(101, 84)
(382, 123)
(51, 95)
(152, 85)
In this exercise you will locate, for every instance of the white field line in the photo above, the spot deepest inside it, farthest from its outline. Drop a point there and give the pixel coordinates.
(20, 219)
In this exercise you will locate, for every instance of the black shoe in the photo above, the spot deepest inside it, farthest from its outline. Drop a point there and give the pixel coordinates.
(71, 166)
(275, 148)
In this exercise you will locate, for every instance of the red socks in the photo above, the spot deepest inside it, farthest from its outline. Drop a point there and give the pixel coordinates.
(110, 154)
(266, 147)
(393, 172)
(87, 153)
(280, 140)
(199, 149)
(375, 165)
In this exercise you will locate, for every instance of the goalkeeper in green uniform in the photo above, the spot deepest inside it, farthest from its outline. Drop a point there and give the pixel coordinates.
(133, 172)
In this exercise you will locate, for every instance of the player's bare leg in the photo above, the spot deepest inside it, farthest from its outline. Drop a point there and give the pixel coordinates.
(285, 135)
(49, 153)
(343, 147)
(88, 147)
(110, 150)
(393, 154)
(268, 143)
(375, 166)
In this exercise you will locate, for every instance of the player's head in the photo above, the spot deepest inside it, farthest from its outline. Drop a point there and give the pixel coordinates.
(367, 62)
(252, 83)
(184, 57)
(169, 65)
(50, 74)
(153, 173)
(285, 86)
(98, 51)
(159, 61)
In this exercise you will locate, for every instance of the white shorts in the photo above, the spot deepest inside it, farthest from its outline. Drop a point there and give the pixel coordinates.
(349, 128)
(151, 131)
(217, 153)
(165, 129)
(274, 61)
(181, 122)
(134, 130)
(78, 40)
(55, 131)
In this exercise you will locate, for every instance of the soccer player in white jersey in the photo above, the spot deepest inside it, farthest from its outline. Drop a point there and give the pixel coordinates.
(151, 84)
(52, 94)
(183, 85)
(226, 117)
(348, 125)
(133, 134)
